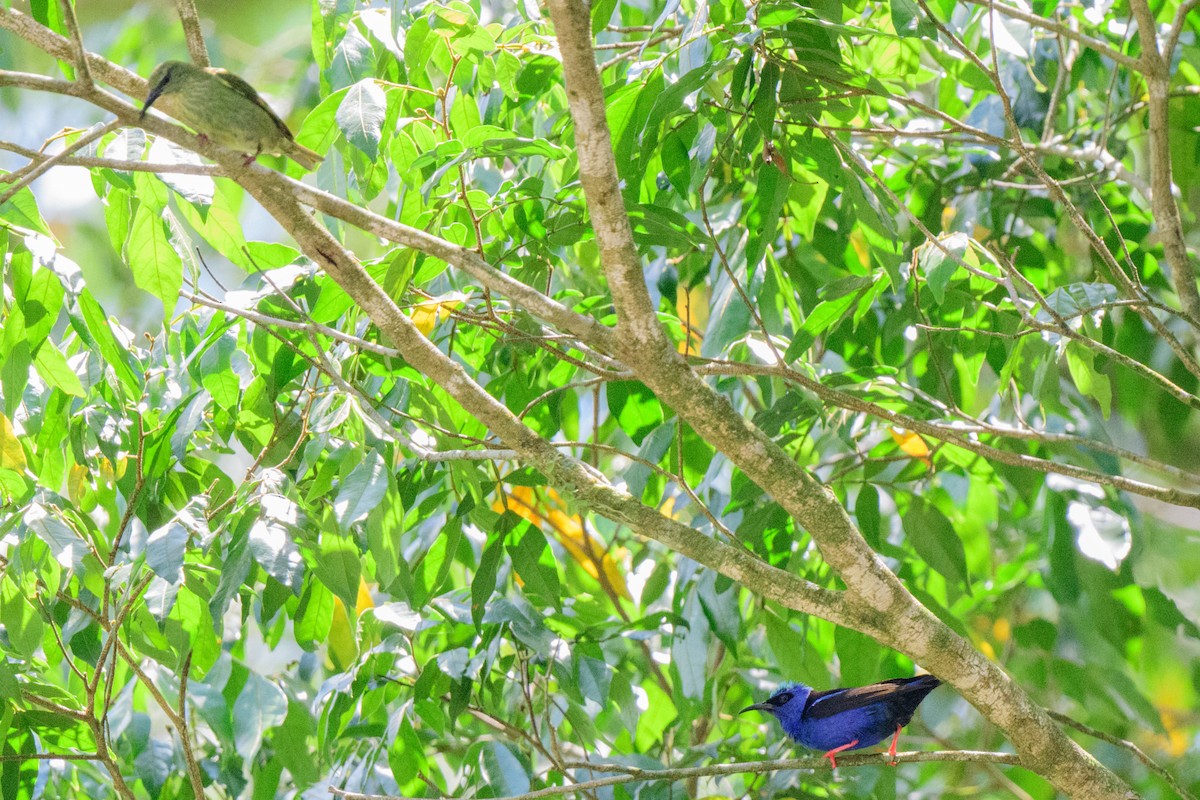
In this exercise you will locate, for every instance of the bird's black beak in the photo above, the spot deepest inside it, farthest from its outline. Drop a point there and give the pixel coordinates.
(756, 707)
(155, 91)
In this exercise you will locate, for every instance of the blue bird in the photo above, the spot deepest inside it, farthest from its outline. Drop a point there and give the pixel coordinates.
(847, 719)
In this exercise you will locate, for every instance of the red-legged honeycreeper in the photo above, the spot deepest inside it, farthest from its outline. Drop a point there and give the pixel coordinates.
(222, 107)
(847, 719)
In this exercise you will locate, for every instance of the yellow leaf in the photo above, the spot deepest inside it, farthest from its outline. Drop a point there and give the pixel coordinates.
(107, 477)
(427, 315)
(912, 445)
(12, 455)
(76, 483)
(948, 215)
(588, 550)
(364, 599)
(692, 307)
(342, 646)
(858, 241)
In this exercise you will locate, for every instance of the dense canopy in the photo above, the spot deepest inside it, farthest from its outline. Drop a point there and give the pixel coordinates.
(617, 364)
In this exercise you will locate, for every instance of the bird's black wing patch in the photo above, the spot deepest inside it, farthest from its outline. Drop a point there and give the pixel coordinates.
(834, 701)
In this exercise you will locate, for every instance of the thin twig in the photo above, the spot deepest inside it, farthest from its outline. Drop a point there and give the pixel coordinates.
(1138, 753)
(635, 774)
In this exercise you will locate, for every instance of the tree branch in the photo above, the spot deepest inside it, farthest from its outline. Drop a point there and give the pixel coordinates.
(189, 19)
(635, 774)
(1157, 72)
(1100, 46)
(884, 607)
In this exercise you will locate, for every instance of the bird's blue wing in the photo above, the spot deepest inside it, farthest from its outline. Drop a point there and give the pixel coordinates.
(835, 701)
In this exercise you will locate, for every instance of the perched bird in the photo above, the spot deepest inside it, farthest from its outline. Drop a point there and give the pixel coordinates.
(847, 719)
(223, 108)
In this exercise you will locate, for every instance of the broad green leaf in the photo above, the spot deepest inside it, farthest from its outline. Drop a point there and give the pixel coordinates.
(164, 551)
(360, 116)
(909, 19)
(535, 564)
(22, 623)
(939, 265)
(933, 537)
(276, 553)
(55, 371)
(114, 354)
(1081, 362)
(362, 490)
(260, 706)
(484, 582)
(339, 567)
(314, 615)
(156, 266)
(766, 100)
(636, 408)
(503, 769)
(21, 211)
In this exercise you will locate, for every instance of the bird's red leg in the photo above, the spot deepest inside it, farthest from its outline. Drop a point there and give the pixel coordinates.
(830, 755)
(892, 749)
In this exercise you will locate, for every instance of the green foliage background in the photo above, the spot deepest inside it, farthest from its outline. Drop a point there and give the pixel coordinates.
(261, 507)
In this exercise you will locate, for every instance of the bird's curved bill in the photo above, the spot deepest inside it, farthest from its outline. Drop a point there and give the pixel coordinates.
(756, 707)
(150, 98)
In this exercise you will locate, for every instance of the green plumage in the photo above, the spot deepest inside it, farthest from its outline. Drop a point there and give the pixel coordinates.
(225, 109)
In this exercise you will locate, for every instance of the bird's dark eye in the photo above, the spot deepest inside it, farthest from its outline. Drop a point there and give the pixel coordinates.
(781, 699)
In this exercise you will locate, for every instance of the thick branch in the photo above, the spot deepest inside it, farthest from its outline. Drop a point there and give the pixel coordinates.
(566, 473)
(636, 316)
(899, 620)
(1157, 72)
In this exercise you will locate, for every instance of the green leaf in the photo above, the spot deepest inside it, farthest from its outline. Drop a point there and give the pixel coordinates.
(22, 623)
(637, 410)
(164, 551)
(763, 216)
(260, 706)
(41, 306)
(55, 371)
(602, 12)
(314, 615)
(362, 490)
(21, 211)
(939, 267)
(339, 567)
(766, 101)
(114, 355)
(434, 566)
(821, 319)
(361, 114)
(933, 537)
(276, 553)
(1081, 361)
(858, 657)
(483, 585)
(216, 372)
(689, 648)
(156, 266)
(909, 20)
(670, 101)
(503, 770)
(68, 548)
(534, 562)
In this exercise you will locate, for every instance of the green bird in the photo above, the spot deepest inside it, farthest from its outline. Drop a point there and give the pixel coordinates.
(223, 108)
